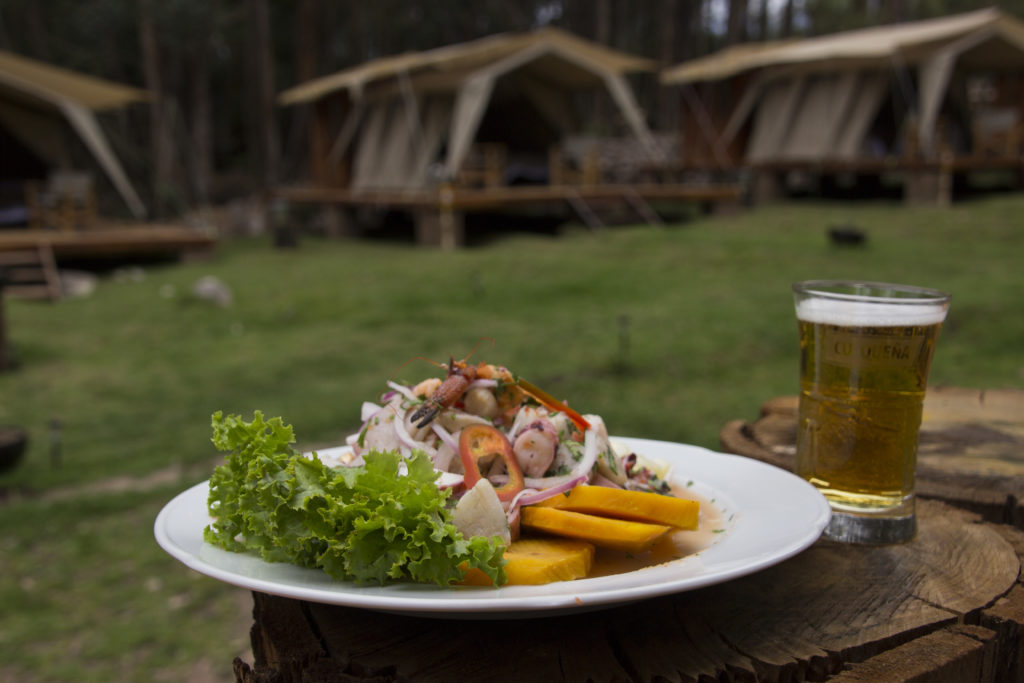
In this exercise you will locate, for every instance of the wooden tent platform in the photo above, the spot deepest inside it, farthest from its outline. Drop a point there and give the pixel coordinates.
(439, 212)
(497, 197)
(110, 241)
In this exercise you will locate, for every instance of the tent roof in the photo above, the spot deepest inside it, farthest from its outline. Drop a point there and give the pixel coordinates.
(463, 58)
(878, 43)
(46, 83)
(38, 90)
(724, 63)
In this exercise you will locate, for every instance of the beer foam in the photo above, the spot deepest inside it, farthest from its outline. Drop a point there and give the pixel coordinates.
(876, 314)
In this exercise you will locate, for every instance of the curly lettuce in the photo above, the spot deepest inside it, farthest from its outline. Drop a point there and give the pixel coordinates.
(377, 523)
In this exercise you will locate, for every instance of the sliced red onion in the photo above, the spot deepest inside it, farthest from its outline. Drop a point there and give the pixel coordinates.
(445, 436)
(491, 383)
(405, 439)
(366, 415)
(512, 515)
(404, 391)
(530, 496)
(369, 411)
(515, 502)
(448, 480)
(538, 496)
(517, 423)
(600, 480)
(442, 458)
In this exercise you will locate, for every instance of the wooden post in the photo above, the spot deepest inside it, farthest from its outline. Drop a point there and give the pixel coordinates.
(929, 186)
(285, 234)
(767, 186)
(338, 221)
(5, 354)
(451, 226)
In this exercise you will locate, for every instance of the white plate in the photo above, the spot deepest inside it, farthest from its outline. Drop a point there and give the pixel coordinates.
(771, 514)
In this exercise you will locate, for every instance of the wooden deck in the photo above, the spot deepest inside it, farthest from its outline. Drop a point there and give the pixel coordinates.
(439, 212)
(489, 198)
(110, 241)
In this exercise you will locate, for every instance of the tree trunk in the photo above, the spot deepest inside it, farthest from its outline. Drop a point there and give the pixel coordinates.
(667, 97)
(306, 48)
(894, 11)
(161, 162)
(762, 20)
(202, 123)
(262, 60)
(786, 23)
(689, 31)
(603, 36)
(36, 31)
(737, 27)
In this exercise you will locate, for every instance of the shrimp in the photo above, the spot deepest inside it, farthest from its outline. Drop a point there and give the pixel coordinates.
(460, 374)
(535, 447)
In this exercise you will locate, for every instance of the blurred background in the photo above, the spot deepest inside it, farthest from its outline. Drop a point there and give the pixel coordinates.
(252, 205)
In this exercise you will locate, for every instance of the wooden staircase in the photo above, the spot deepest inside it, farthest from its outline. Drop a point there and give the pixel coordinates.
(30, 273)
(597, 213)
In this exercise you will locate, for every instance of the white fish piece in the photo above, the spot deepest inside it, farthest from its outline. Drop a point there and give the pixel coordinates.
(480, 513)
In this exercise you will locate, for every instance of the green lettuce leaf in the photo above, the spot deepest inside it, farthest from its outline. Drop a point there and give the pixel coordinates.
(370, 524)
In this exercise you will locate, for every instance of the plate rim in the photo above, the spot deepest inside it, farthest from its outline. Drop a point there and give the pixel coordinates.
(477, 602)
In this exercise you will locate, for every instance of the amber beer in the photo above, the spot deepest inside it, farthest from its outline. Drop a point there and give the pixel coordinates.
(865, 353)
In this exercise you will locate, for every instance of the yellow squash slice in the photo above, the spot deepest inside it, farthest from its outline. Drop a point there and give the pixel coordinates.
(618, 534)
(533, 561)
(639, 506)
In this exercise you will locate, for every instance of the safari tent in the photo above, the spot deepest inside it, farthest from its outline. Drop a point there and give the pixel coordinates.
(469, 126)
(40, 102)
(923, 100)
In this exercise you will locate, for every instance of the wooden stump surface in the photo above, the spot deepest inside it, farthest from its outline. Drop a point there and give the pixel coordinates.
(971, 451)
(947, 606)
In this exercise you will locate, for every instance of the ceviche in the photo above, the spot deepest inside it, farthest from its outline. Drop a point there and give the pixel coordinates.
(477, 478)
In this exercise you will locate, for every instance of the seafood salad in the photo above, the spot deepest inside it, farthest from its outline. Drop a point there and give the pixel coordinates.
(505, 446)
(477, 478)
(553, 448)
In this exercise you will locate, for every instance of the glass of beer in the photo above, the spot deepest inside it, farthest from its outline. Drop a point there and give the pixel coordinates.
(865, 352)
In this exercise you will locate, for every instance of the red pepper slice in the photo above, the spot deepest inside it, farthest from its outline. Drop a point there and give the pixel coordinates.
(551, 402)
(481, 442)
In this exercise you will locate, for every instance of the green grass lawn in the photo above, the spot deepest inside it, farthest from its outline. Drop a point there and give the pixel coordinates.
(666, 332)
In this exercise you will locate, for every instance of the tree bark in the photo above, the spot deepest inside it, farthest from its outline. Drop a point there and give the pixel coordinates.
(667, 97)
(36, 31)
(161, 161)
(737, 27)
(762, 20)
(603, 36)
(306, 45)
(264, 121)
(786, 23)
(202, 125)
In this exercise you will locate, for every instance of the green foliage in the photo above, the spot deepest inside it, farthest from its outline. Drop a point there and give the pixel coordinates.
(135, 371)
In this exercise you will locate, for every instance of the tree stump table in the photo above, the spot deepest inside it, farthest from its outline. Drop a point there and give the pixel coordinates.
(971, 451)
(947, 606)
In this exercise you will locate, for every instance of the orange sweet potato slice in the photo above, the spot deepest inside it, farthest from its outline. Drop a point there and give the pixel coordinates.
(534, 561)
(639, 506)
(618, 534)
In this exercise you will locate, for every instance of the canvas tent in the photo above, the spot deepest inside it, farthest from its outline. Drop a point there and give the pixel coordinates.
(411, 120)
(37, 100)
(820, 99)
